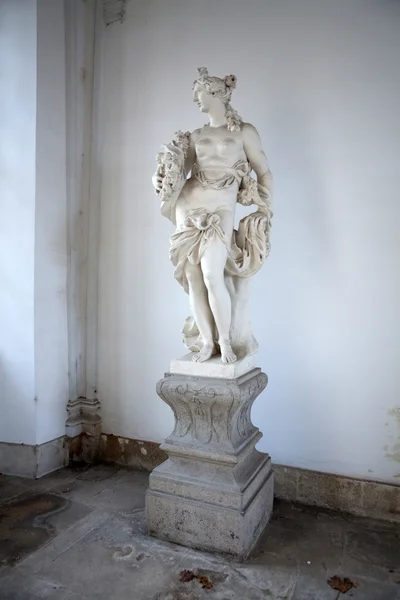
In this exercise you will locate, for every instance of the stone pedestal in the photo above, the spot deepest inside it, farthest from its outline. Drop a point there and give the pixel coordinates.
(215, 491)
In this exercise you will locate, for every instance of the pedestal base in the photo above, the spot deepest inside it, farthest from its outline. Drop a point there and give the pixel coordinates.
(215, 492)
(207, 526)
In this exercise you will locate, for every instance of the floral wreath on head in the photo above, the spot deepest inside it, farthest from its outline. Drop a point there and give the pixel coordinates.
(234, 121)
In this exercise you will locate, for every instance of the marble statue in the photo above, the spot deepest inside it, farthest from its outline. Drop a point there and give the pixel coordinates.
(200, 177)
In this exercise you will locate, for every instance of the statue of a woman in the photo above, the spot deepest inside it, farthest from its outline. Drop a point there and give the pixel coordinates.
(213, 261)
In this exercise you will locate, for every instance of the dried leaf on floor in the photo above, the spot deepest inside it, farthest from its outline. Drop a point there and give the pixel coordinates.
(205, 582)
(186, 576)
(342, 585)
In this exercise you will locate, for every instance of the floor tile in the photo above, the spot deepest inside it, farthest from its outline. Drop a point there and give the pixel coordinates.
(96, 545)
(123, 495)
(115, 564)
(10, 487)
(25, 586)
(30, 520)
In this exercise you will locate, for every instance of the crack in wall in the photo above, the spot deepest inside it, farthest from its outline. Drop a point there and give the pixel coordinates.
(113, 11)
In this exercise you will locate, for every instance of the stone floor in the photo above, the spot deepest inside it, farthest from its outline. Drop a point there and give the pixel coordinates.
(80, 534)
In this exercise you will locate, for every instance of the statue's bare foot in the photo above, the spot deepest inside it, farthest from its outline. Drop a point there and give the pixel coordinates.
(205, 353)
(227, 354)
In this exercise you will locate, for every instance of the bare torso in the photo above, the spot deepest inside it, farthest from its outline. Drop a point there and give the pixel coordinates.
(214, 149)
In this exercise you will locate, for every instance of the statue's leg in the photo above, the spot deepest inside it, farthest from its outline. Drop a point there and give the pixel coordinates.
(198, 297)
(213, 265)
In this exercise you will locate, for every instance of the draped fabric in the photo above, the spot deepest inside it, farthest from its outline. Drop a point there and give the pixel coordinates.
(231, 174)
(247, 250)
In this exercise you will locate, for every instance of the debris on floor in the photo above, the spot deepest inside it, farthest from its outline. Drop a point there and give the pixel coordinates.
(342, 585)
(92, 542)
(187, 576)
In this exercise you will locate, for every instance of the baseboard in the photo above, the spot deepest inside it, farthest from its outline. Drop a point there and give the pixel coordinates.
(355, 496)
(33, 461)
(131, 453)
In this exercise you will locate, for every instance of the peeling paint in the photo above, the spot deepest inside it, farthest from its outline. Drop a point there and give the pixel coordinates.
(395, 412)
(113, 11)
(395, 453)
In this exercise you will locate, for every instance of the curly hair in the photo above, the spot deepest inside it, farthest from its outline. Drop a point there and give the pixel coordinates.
(222, 88)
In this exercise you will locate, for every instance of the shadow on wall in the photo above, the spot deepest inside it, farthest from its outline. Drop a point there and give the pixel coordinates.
(17, 423)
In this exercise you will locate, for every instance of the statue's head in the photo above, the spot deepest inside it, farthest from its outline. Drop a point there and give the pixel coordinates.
(208, 92)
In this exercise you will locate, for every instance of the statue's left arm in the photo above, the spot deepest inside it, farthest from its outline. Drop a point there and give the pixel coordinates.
(252, 236)
(258, 162)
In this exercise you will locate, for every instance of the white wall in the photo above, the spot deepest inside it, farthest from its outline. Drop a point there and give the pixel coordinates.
(17, 219)
(320, 81)
(51, 345)
(33, 251)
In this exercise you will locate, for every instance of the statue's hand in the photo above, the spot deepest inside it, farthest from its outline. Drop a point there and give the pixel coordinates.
(157, 180)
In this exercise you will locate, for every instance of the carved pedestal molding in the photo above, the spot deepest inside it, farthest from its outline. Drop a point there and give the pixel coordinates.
(215, 491)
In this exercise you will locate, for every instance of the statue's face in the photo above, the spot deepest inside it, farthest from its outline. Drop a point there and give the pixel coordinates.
(204, 100)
